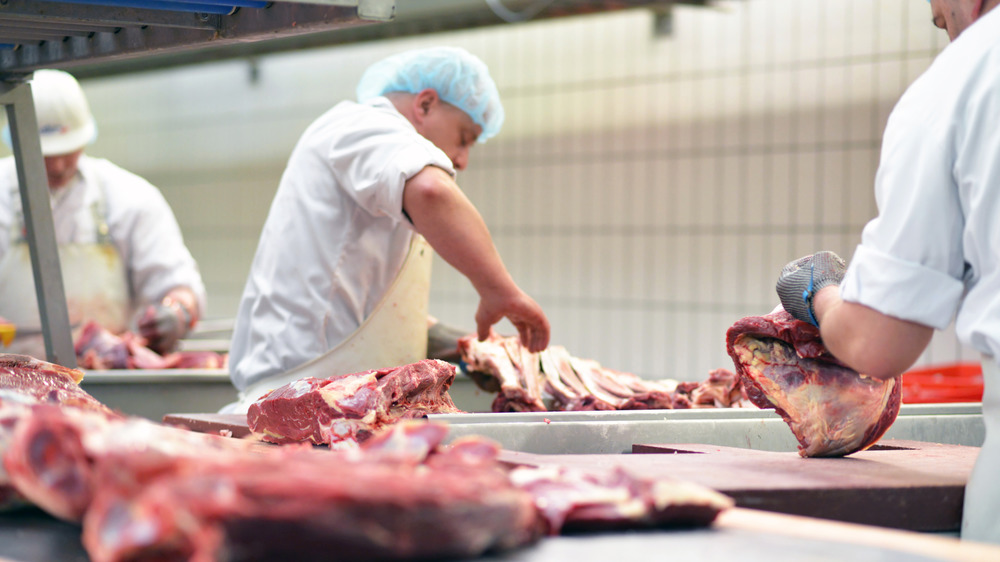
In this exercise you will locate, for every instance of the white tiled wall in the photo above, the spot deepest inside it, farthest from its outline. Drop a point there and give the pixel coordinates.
(646, 189)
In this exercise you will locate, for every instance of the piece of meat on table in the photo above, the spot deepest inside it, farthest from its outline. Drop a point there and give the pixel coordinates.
(581, 500)
(832, 410)
(295, 503)
(53, 453)
(527, 381)
(345, 410)
(25, 382)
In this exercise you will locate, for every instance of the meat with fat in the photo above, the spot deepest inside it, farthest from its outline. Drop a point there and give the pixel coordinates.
(832, 410)
(583, 500)
(25, 382)
(52, 453)
(555, 380)
(303, 504)
(345, 410)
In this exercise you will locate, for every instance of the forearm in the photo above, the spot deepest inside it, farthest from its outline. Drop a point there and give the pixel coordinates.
(872, 343)
(452, 225)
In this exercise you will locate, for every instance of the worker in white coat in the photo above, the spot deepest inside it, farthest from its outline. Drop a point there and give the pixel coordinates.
(123, 260)
(933, 252)
(340, 280)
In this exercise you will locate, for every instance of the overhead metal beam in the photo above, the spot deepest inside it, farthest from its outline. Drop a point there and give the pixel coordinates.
(130, 41)
(412, 17)
(106, 16)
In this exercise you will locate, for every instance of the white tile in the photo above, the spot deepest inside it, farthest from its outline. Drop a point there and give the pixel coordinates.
(780, 191)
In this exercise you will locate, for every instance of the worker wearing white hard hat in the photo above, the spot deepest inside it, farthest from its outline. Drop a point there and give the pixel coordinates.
(123, 260)
(340, 280)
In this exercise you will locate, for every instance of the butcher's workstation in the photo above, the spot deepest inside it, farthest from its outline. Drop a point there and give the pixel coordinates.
(220, 339)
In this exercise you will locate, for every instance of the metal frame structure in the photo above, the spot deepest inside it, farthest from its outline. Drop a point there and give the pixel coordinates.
(15, 95)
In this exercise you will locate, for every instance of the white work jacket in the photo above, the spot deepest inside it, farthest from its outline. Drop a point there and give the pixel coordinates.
(140, 224)
(934, 249)
(334, 240)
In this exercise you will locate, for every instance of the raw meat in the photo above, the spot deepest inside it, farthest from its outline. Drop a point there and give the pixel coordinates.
(345, 410)
(99, 349)
(832, 410)
(45, 382)
(575, 500)
(52, 454)
(555, 380)
(153, 492)
(24, 382)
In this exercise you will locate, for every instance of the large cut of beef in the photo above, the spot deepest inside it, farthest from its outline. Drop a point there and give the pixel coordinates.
(97, 348)
(555, 380)
(145, 491)
(345, 410)
(151, 492)
(832, 410)
(52, 453)
(25, 382)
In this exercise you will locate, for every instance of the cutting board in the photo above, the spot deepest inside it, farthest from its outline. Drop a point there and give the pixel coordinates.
(899, 484)
(230, 425)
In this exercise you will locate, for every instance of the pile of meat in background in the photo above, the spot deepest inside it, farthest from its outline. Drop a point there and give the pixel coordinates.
(143, 491)
(554, 380)
(99, 349)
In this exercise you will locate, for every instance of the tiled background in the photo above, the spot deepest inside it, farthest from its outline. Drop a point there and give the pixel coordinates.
(647, 186)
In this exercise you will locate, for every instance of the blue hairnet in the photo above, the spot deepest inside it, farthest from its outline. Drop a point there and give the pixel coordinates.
(459, 78)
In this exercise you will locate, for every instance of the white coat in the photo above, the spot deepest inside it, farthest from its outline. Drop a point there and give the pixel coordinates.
(139, 226)
(334, 240)
(934, 249)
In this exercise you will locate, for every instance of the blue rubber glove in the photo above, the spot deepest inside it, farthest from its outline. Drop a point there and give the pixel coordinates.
(802, 278)
(164, 324)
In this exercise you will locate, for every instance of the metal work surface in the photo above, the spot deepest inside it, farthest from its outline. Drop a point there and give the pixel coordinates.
(750, 535)
(154, 393)
(616, 432)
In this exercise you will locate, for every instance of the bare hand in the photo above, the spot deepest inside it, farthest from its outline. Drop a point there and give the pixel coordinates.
(522, 311)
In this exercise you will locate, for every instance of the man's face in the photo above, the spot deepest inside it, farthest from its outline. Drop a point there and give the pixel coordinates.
(954, 16)
(60, 169)
(451, 130)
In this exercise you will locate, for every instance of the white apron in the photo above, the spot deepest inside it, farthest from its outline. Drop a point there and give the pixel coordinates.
(394, 334)
(93, 277)
(981, 514)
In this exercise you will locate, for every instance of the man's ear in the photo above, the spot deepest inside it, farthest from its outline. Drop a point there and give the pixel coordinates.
(423, 102)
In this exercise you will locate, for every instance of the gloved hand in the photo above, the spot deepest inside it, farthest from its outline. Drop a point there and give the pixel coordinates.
(164, 324)
(802, 278)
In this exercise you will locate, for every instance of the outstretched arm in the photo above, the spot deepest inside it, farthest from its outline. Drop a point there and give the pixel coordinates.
(452, 225)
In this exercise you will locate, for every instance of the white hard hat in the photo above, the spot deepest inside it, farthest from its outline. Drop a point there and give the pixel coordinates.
(65, 124)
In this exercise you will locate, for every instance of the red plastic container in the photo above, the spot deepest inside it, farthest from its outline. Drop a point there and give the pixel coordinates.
(954, 382)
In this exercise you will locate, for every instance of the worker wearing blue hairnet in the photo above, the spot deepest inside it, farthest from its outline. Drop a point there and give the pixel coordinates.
(340, 280)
